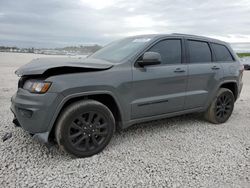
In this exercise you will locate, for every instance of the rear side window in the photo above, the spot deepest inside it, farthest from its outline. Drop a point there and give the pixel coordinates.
(222, 53)
(170, 51)
(199, 52)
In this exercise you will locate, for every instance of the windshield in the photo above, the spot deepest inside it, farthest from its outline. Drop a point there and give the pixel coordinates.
(119, 50)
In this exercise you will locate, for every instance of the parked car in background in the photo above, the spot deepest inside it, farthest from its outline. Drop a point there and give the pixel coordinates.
(81, 102)
(246, 62)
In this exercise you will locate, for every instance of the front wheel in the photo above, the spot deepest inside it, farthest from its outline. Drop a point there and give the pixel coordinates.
(85, 128)
(221, 107)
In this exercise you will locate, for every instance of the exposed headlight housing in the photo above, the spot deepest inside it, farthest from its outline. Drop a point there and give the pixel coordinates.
(37, 86)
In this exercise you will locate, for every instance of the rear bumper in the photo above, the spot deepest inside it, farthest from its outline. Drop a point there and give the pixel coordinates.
(34, 112)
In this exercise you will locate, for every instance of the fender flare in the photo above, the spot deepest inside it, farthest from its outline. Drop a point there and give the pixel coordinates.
(217, 89)
(81, 94)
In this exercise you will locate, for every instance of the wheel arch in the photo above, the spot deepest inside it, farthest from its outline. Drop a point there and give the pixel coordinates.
(232, 86)
(228, 84)
(104, 97)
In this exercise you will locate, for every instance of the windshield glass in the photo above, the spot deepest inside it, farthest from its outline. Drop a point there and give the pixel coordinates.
(119, 50)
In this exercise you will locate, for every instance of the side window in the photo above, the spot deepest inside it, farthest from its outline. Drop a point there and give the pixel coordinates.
(199, 52)
(170, 51)
(222, 53)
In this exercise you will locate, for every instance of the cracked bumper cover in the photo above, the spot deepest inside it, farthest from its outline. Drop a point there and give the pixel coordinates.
(34, 112)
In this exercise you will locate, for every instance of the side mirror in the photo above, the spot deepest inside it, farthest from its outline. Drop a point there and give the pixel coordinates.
(150, 58)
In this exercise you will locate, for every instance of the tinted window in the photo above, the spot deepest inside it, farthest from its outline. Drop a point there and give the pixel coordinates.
(170, 51)
(199, 51)
(222, 53)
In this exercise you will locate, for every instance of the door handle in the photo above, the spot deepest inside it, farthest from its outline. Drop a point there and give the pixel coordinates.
(178, 70)
(215, 68)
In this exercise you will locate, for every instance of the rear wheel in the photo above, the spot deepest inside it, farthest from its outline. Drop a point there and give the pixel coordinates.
(85, 128)
(221, 107)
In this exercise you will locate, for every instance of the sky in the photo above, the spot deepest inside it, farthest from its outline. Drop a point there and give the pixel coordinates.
(59, 23)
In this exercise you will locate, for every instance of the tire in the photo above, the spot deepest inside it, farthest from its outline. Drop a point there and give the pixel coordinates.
(221, 107)
(84, 128)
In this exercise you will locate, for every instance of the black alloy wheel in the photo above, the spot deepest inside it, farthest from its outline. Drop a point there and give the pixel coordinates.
(85, 128)
(224, 106)
(88, 131)
(221, 107)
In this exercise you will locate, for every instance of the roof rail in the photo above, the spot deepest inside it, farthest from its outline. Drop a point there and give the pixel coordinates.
(186, 34)
(197, 36)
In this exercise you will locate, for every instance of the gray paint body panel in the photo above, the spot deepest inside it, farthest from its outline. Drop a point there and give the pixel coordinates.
(202, 80)
(141, 94)
(158, 90)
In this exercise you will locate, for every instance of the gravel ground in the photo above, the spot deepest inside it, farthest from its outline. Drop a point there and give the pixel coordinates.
(184, 151)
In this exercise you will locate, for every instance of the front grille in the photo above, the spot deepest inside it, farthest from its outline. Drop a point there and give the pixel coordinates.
(21, 82)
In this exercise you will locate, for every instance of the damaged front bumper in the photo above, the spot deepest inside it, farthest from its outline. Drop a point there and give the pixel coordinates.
(40, 137)
(34, 112)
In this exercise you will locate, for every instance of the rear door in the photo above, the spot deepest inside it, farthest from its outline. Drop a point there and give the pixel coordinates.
(203, 73)
(227, 61)
(160, 89)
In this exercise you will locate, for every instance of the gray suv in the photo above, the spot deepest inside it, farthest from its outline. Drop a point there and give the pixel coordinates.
(80, 103)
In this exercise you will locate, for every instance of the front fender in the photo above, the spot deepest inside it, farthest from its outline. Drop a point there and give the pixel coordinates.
(81, 94)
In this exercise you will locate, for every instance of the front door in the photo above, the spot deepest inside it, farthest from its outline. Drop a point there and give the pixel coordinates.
(160, 89)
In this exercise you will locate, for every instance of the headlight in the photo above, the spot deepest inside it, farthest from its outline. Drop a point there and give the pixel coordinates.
(37, 86)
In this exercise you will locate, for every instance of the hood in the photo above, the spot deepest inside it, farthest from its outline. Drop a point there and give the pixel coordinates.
(44, 65)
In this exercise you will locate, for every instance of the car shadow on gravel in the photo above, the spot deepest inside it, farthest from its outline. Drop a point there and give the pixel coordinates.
(182, 123)
(182, 120)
